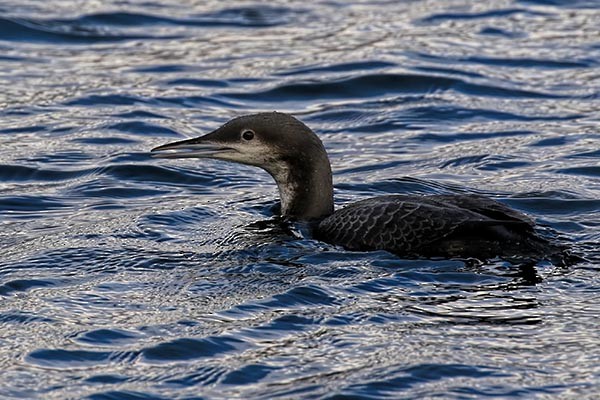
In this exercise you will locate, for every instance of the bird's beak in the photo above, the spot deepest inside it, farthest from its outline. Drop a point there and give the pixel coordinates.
(191, 148)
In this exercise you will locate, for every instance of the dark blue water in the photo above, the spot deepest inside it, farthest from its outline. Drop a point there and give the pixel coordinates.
(127, 277)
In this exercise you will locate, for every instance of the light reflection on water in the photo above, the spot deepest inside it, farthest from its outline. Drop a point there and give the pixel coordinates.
(127, 277)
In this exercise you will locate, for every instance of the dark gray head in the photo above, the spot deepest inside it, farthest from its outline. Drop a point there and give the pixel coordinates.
(280, 144)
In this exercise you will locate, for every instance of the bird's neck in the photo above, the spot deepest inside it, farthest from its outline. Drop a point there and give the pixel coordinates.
(305, 187)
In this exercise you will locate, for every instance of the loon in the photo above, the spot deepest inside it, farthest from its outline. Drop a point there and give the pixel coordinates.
(413, 226)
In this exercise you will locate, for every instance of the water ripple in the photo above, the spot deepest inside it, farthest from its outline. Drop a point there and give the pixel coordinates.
(376, 85)
(479, 15)
(188, 349)
(255, 17)
(52, 31)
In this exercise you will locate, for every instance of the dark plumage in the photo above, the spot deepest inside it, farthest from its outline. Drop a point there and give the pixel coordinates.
(434, 226)
(446, 226)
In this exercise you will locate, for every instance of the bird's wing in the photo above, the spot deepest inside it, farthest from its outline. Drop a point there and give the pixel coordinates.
(396, 223)
(486, 207)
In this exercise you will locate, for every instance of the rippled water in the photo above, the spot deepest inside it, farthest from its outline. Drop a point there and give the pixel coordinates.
(126, 277)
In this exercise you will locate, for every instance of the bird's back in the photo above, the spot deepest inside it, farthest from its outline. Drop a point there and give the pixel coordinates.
(460, 226)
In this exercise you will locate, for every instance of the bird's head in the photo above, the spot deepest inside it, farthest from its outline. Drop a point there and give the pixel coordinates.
(272, 141)
(280, 144)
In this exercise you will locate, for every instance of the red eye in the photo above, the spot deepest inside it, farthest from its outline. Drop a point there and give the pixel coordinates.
(248, 134)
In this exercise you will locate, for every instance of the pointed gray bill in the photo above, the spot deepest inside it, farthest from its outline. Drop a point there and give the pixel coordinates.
(190, 148)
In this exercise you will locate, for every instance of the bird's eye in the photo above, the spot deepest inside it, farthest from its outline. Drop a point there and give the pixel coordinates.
(248, 134)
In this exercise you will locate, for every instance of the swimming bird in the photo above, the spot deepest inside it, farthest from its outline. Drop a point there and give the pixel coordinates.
(429, 226)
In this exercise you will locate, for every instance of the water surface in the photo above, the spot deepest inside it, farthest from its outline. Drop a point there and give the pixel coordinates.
(127, 277)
